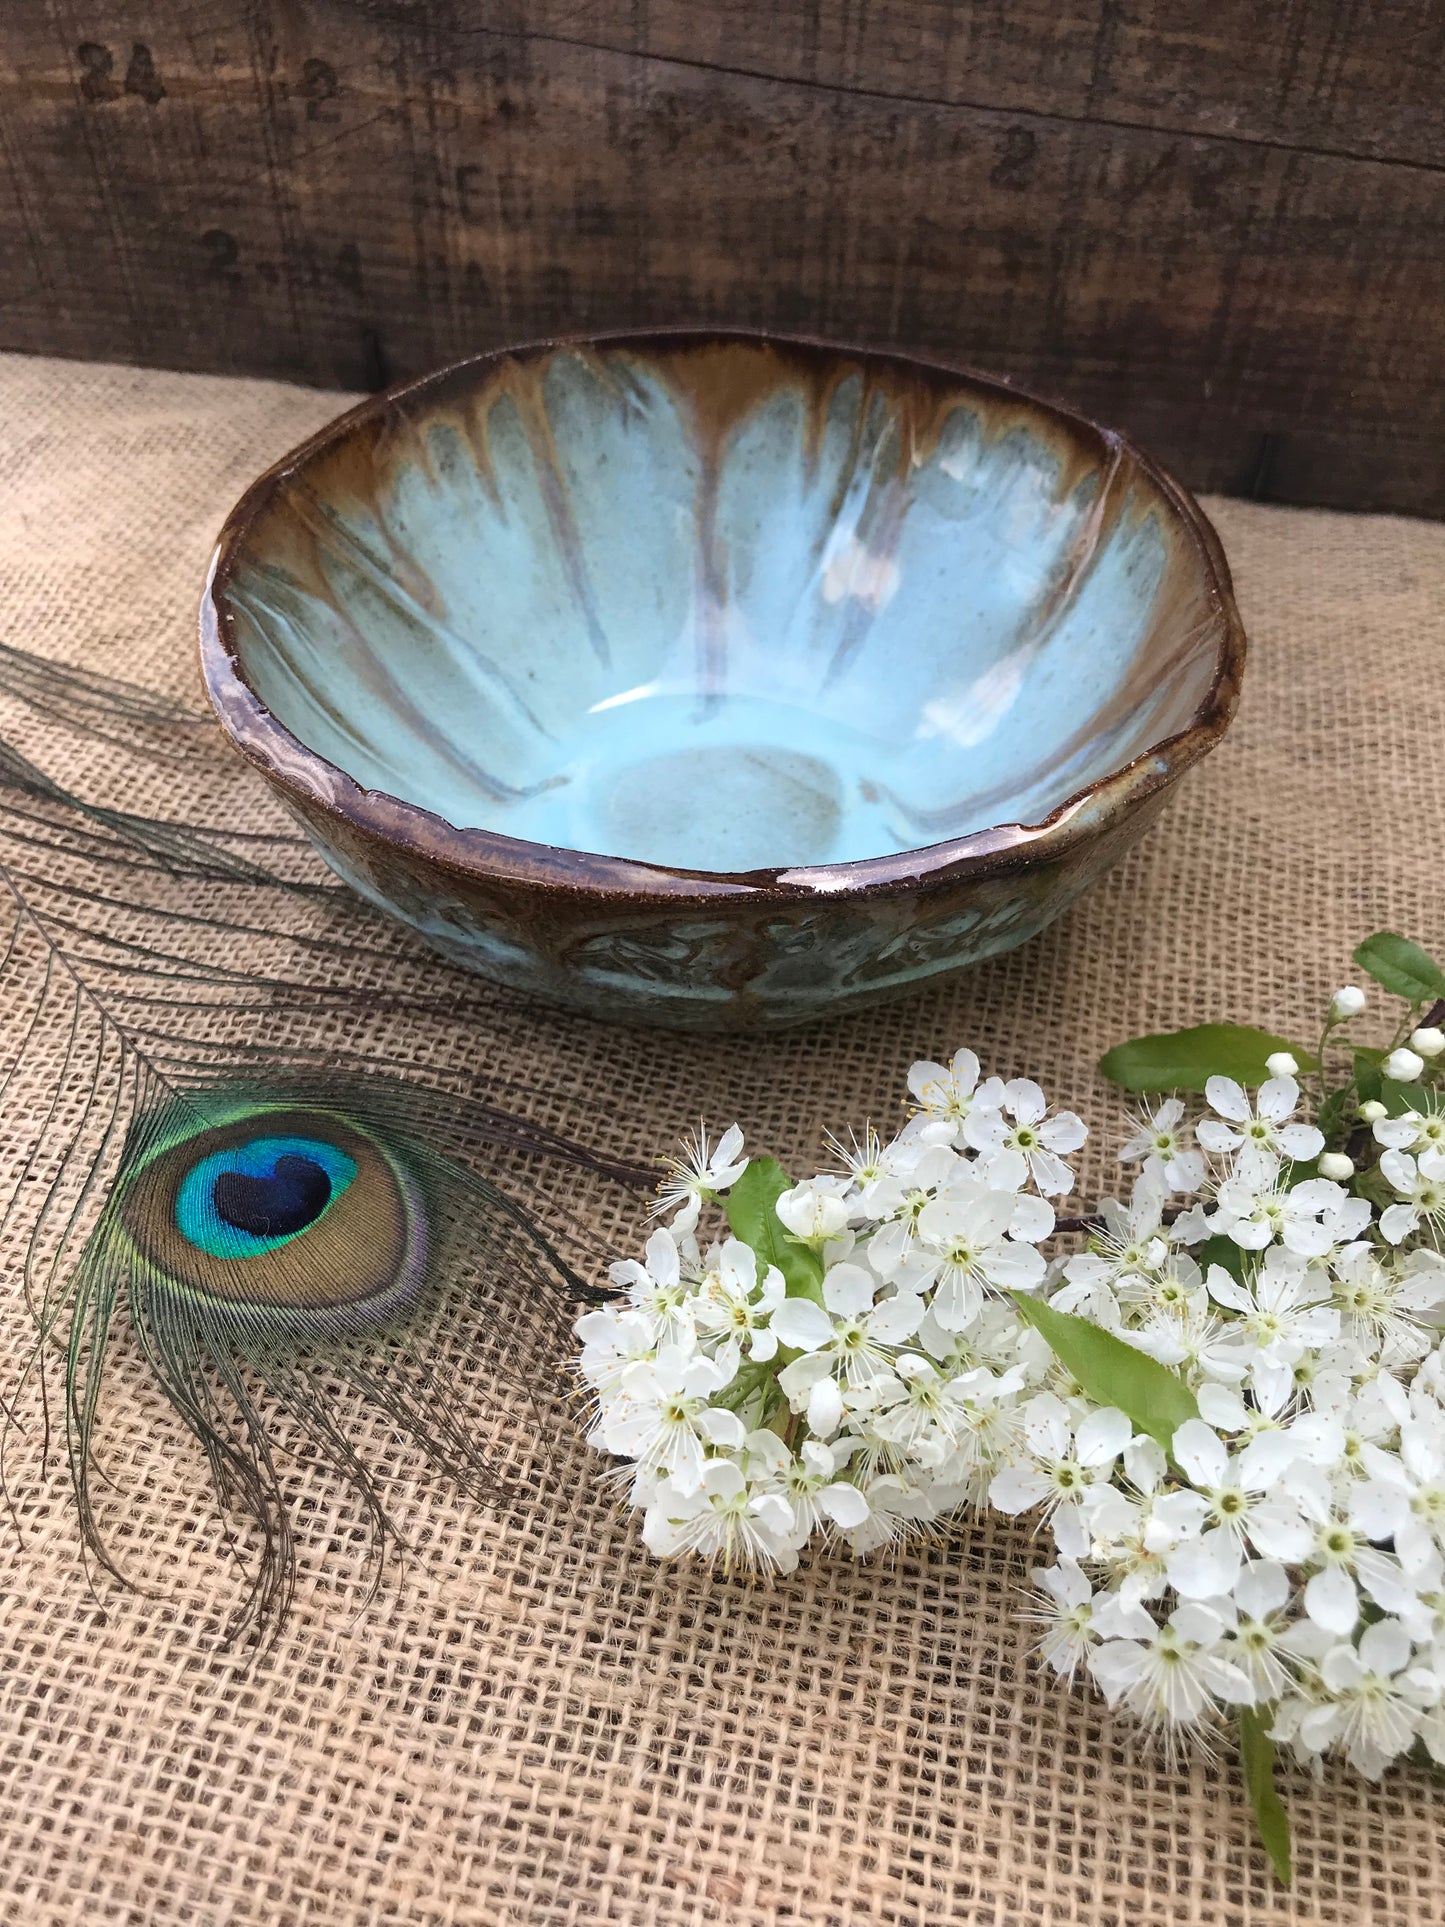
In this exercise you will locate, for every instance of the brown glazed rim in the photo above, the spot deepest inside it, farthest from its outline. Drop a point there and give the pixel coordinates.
(312, 783)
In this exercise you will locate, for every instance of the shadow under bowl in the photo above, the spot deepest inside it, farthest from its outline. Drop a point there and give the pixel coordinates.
(719, 680)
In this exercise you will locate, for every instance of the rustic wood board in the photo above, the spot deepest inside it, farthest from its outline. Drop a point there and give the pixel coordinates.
(1219, 226)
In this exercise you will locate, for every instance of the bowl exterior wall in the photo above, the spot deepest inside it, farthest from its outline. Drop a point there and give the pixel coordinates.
(726, 965)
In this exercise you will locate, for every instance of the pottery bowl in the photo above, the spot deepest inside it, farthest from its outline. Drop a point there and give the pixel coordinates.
(719, 680)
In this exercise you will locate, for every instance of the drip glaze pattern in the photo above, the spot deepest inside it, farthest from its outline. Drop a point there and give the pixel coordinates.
(719, 680)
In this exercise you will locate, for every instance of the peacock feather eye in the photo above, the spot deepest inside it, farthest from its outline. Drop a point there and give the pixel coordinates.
(298, 1213)
(260, 1194)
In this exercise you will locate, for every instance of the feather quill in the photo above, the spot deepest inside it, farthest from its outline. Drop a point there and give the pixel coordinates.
(289, 1224)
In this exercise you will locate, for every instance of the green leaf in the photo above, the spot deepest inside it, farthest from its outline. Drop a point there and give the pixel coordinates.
(1185, 1060)
(1400, 1098)
(1113, 1373)
(1334, 1117)
(1402, 967)
(1367, 1074)
(752, 1212)
(1220, 1250)
(1256, 1752)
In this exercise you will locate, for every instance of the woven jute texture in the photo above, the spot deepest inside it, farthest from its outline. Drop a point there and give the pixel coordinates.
(532, 1722)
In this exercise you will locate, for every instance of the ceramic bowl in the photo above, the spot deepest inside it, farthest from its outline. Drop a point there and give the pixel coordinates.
(719, 680)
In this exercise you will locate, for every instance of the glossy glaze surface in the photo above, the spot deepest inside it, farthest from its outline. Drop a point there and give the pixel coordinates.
(714, 617)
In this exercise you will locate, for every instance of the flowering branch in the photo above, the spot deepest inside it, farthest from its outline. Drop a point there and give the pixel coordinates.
(1227, 1408)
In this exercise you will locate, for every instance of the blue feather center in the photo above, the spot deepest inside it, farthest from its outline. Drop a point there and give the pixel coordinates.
(260, 1195)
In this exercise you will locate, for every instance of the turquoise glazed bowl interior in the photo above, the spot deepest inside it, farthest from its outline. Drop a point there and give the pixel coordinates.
(560, 636)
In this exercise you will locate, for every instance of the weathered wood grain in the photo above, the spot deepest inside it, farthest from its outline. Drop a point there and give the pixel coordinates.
(1231, 246)
(1354, 78)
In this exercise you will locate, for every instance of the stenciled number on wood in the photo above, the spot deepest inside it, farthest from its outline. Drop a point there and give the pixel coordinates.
(97, 73)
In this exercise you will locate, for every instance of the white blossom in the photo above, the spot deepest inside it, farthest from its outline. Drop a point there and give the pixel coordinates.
(1176, 1678)
(1411, 1131)
(1127, 1249)
(1066, 1610)
(1386, 1304)
(1236, 1502)
(847, 1342)
(1260, 1135)
(1403, 1497)
(735, 1306)
(699, 1172)
(657, 1289)
(814, 1212)
(1282, 1313)
(720, 1518)
(1063, 1462)
(1370, 1703)
(898, 1509)
(972, 1239)
(613, 1337)
(1257, 1207)
(1288, 1551)
(1039, 1139)
(662, 1418)
(809, 1481)
(1163, 1145)
(1419, 1184)
(1256, 1627)
(947, 1095)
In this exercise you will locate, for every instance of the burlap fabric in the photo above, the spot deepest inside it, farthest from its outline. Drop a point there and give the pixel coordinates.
(532, 1722)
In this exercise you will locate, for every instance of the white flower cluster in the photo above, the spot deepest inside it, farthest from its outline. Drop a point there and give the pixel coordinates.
(856, 1363)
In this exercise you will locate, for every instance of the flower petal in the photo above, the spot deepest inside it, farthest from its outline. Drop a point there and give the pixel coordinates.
(1064, 1132)
(1032, 1219)
(1278, 1097)
(802, 1324)
(825, 1408)
(896, 1319)
(1397, 1221)
(1102, 1436)
(1228, 1099)
(848, 1291)
(1398, 1169)
(1279, 1533)
(1301, 1142)
(1025, 1100)
(1013, 1267)
(928, 1082)
(1225, 1290)
(844, 1504)
(1262, 1588)
(662, 1258)
(721, 1478)
(1332, 1602)
(1204, 1568)
(1385, 1647)
(1016, 1488)
(1200, 1454)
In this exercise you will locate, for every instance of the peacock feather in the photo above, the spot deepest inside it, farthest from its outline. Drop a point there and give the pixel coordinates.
(234, 1165)
(270, 1246)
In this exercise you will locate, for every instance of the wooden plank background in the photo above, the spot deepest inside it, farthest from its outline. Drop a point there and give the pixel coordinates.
(1217, 223)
